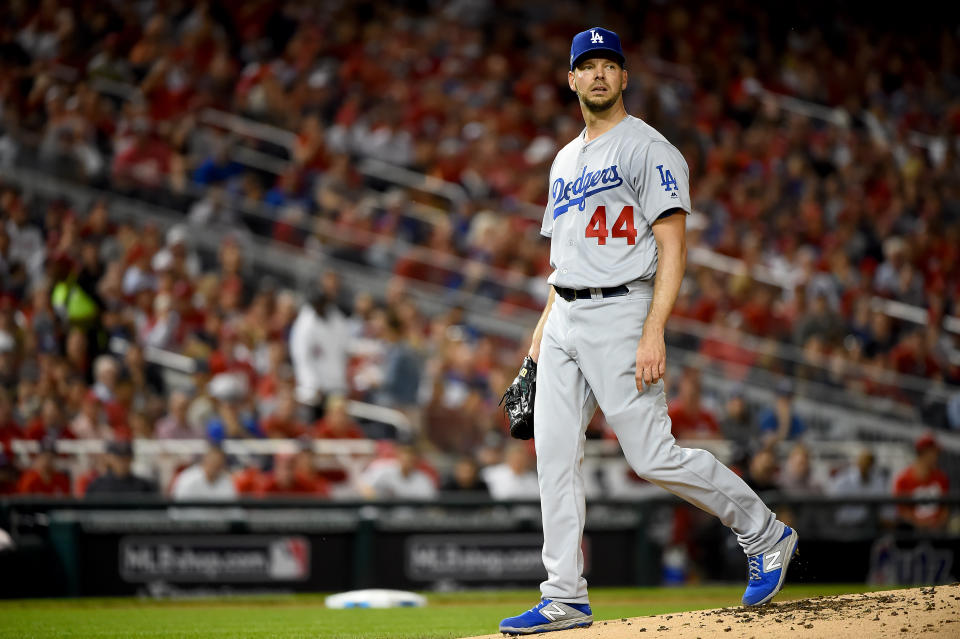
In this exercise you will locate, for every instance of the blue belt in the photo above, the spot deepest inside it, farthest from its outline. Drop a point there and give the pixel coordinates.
(571, 294)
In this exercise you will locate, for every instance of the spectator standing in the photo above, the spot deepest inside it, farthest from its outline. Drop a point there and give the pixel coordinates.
(207, 480)
(119, 478)
(319, 345)
(402, 368)
(923, 478)
(332, 287)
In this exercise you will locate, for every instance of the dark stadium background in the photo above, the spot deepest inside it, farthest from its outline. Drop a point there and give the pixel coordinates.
(178, 180)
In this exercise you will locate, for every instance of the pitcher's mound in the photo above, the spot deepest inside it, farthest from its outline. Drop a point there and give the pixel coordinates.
(930, 612)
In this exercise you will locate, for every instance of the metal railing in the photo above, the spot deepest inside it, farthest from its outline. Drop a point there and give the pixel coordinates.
(191, 447)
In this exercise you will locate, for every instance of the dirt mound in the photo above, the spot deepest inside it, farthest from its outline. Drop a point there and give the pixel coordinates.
(931, 612)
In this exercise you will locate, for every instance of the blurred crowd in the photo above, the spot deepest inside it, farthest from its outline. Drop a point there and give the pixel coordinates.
(114, 94)
(268, 362)
(835, 211)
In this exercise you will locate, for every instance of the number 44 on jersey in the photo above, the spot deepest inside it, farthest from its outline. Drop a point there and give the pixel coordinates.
(623, 227)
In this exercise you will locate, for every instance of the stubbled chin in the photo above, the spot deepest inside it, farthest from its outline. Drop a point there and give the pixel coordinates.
(597, 104)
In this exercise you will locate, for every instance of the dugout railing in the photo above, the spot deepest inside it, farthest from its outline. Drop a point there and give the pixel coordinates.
(154, 547)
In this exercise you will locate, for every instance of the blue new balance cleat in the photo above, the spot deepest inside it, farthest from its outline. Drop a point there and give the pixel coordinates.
(766, 571)
(546, 616)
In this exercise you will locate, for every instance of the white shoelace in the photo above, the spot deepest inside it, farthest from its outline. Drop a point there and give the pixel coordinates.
(753, 567)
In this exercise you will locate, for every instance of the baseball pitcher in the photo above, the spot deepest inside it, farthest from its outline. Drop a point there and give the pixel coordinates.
(615, 217)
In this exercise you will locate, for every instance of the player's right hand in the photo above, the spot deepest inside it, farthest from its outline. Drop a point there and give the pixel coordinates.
(651, 359)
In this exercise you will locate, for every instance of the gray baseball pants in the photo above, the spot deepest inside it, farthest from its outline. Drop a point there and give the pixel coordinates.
(588, 358)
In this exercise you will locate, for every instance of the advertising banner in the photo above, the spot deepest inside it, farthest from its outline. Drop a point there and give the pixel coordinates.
(214, 559)
(486, 557)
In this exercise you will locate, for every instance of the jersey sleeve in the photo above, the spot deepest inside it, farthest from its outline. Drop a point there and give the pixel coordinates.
(664, 181)
(546, 228)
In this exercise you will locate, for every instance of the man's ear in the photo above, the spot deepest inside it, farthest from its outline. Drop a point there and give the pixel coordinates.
(623, 80)
(570, 81)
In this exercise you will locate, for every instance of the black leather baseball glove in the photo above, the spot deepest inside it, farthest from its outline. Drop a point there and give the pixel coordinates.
(518, 400)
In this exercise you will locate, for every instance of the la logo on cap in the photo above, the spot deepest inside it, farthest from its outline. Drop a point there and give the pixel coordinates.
(595, 37)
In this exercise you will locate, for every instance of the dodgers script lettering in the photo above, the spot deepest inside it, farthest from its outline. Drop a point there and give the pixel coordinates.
(575, 192)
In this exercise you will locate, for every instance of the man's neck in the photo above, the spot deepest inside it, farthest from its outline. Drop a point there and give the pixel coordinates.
(600, 123)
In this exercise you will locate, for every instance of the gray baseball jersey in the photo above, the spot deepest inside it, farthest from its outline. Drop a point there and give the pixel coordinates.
(605, 195)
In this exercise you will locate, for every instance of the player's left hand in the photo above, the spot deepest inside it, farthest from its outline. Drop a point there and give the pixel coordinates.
(651, 358)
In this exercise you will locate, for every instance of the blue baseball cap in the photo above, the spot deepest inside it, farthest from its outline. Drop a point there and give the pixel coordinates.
(595, 40)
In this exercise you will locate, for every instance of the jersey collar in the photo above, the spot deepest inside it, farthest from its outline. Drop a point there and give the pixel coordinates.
(583, 134)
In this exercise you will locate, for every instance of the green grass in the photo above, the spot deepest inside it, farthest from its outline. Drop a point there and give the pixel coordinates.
(303, 616)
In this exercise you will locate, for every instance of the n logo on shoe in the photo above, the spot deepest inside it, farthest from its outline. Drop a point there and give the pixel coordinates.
(771, 562)
(552, 612)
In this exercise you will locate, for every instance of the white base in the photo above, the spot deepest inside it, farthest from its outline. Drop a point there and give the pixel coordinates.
(376, 598)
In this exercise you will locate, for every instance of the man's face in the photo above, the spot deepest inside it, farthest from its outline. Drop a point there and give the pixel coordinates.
(929, 456)
(763, 465)
(213, 464)
(865, 462)
(283, 472)
(338, 417)
(44, 462)
(465, 472)
(120, 464)
(51, 413)
(407, 456)
(179, 403)
(690, 390)
(736, 406)
(598, 82)
(303, 463)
